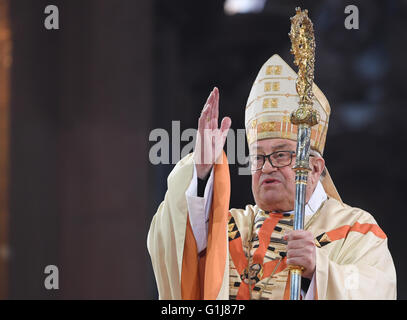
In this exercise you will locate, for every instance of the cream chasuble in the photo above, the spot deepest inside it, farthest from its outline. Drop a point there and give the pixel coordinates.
(245, 255)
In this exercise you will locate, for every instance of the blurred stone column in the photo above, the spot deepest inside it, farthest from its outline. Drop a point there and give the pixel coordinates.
(5, 64)
(104, 123)
(80, 120)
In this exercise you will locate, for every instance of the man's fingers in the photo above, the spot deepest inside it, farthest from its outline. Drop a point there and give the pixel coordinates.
(209, 116)
(204, 116)
(225, 124)
(212, 124)
(205, 109)
(296, 244)
(207, 100)
(215, 114)
(207, 103)
(295, 253)
(298, 234)
(224, 128)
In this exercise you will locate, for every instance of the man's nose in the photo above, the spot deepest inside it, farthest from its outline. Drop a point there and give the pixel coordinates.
(267, 167)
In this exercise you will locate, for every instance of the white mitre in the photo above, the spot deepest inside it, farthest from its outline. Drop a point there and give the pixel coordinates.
(272, 99)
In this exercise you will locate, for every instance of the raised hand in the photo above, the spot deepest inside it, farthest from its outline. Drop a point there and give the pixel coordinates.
(210, 139)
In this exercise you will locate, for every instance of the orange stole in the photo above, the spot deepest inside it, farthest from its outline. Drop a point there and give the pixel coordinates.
(240, 261)
(190, 276)
(264, 237)
(201, 278)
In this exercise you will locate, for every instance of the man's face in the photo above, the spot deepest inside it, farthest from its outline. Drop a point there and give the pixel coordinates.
(274, 188)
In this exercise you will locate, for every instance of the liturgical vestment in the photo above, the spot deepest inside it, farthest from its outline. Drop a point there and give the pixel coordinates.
(245, 254)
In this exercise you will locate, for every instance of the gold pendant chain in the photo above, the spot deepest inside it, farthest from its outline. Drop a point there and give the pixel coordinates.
(249, 260)
(249, 253)
(250, 244)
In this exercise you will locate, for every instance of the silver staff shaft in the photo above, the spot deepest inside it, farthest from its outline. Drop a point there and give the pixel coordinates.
(303, 48)
(301, 175)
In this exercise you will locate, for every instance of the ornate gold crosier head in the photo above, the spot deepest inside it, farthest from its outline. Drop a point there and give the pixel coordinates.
(303, 49)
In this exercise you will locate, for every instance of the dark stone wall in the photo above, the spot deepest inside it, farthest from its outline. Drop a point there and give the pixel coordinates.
(80, 117)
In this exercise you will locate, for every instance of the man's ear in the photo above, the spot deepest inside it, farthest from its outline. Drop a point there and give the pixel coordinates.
(317, 165)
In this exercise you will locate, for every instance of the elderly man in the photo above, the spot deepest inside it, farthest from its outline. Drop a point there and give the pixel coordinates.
(201, 249)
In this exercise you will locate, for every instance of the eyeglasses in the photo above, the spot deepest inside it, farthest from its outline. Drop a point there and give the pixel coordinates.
(278, 159)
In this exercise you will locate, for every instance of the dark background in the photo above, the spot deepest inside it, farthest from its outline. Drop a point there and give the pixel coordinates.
(85, 98)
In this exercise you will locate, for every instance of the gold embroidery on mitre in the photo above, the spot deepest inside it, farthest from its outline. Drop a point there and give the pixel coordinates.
(275, 86)
(270, 103)
(274, 69)
(266, 126)
(277, 70)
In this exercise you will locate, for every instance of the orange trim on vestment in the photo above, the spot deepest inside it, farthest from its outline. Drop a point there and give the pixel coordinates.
(216, 253)
(202, 278)
(342, 232)
(243, 293)
(264, 236)
(190, 288)
(268, 267)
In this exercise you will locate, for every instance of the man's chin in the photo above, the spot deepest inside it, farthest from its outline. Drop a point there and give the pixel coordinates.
(271, 186)
(271, 190)
(274, 201)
